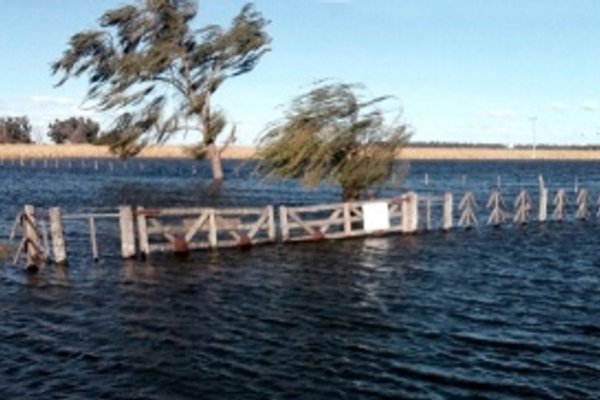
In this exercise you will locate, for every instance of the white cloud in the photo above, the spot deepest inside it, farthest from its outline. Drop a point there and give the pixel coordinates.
(560, 107)
(590, 106)
(500, 113)
(52, 100)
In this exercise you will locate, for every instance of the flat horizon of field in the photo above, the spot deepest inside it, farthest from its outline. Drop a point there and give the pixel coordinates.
(418, 151)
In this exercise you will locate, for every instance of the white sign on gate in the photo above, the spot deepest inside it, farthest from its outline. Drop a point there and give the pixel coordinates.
(376, 216)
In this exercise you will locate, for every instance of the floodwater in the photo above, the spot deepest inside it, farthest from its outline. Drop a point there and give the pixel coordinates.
(491, 313)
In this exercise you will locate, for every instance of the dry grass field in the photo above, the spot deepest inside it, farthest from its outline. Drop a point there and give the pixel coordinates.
(43, 151)
(40, 151)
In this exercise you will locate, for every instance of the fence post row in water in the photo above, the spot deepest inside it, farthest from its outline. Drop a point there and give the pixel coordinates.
(147, 230)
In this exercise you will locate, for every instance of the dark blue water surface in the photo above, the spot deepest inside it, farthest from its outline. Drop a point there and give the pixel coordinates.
(512, 312)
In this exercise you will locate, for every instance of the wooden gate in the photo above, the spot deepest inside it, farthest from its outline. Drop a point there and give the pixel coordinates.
(184, 229)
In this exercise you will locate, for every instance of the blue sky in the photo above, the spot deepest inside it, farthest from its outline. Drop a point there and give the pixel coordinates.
(469, 71)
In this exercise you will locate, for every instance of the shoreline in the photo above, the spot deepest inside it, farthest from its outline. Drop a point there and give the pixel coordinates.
(47, 151)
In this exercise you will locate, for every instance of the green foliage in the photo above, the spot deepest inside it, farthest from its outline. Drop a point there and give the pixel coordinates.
(333, 134)
(75, 130)
(15, 130)
(147, 62)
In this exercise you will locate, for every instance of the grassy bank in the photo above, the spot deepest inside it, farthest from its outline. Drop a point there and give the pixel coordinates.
(40, 151)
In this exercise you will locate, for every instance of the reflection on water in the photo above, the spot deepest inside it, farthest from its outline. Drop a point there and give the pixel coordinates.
(491, 313)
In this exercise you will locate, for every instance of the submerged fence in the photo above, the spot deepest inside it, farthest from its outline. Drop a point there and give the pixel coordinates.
(144, 231)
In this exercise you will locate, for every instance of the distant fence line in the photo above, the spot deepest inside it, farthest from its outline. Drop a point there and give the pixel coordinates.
(144, 231)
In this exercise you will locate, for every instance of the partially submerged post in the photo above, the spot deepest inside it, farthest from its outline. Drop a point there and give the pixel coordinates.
(142, 225)
(560, 201)
(582, 204)
(94, 243)
(523, 208)
(497, 207)
(58, 239)
(31, 238)
(127, 232)
(428, 212)
(468, 206)
(447, 223)
(543, 209)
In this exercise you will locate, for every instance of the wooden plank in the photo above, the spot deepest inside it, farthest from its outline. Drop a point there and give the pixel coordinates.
(87, 216)
(58, 239)
(320, 222)
(191, 211)
(342, 235)
(318, 208)
(156, 228)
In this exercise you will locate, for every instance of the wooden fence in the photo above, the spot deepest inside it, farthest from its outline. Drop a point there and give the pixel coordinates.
(144, 231)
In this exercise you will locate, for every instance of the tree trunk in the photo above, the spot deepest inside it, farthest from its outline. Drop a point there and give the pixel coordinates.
(350, 194)
(215, 162)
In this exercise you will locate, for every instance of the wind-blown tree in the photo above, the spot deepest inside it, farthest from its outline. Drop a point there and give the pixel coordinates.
(333, 134)
(15, 130)
(75, 130)
(148, 62)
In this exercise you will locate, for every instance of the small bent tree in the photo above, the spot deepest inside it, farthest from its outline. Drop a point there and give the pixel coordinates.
(148, 63)
(15, 130)
(331, 134)
(74, 130)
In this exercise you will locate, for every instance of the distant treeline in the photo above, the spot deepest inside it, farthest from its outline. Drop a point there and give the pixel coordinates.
(73, 130)
(455, 145)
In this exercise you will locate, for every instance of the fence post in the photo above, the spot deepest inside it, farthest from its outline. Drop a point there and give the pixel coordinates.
(283, 222)
(347, 219)
(428, 212)
(543, 211)
(127, 232)
(272, 231)
(94, 243)
(58, 239)
(410, 213)
(447, 224)
(212, 229)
